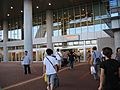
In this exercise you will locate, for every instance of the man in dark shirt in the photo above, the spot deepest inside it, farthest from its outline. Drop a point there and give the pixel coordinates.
(110, 72)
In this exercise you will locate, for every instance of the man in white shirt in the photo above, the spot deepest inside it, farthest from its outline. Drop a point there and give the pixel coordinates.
(26, 62)
(50, 69)
(58, 56)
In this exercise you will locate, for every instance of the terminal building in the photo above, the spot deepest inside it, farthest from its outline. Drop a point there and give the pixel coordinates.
(35, 25)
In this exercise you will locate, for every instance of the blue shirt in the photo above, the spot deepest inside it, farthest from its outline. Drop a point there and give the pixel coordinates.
(96, 54)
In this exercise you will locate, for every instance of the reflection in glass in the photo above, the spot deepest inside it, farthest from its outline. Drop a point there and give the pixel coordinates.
(84, 28)
(14, 34)
(81, 42)
(91, 28)
(70, 43)
(87, 42)
(78, 30)
(93, 42)
(1, 35)
(76, 43)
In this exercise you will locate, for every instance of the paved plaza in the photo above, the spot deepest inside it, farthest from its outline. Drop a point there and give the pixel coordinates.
(13, 78)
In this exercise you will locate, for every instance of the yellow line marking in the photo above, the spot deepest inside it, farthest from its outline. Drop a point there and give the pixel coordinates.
(31, 80)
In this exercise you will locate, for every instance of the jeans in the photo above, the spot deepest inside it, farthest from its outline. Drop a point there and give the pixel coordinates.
(97, 69)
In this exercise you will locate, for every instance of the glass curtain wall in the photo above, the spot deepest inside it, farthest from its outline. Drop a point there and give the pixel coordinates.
(15, 29)
(1, 36)
(66, 21)
(114, 4)
(78, 20)
(39, 25)
(82, 19)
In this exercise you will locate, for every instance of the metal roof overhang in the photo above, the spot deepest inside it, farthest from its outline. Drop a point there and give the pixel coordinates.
(111, 31)
(43, 6)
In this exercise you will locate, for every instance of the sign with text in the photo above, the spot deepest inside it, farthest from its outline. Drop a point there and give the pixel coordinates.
(72, 37)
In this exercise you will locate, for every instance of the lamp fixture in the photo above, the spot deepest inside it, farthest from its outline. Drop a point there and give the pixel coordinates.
(83, 9)
(37, 7)
(49, 4)
(8, 14)
(11, 7)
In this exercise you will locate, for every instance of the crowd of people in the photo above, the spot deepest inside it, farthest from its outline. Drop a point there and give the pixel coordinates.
(53, 62)
(104, 67)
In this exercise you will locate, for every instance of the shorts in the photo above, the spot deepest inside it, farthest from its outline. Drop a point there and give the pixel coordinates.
(51, 79)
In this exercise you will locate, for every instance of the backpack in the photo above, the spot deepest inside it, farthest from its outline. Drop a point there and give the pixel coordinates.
(98, 61)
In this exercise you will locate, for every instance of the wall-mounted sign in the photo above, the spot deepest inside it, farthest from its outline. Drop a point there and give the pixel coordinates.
(72, 37)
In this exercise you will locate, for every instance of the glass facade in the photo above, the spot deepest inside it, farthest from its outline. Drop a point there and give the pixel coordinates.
(1, 35)
(14, 34)
(66, 21)
(114, 4)
(78, 20)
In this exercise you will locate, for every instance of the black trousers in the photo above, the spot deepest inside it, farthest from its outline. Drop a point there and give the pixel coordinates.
(27, 69)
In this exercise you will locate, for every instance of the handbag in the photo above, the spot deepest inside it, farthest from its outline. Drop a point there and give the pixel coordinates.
(45, 77)
(92, 70)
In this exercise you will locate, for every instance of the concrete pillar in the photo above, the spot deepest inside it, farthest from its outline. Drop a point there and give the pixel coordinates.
(5, 39)
(49, 25)
(84, 52)
(117, 39)
(28, 27)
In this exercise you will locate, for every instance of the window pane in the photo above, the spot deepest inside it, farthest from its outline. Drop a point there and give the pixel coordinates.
(81, 42)
(1, 35)
(93, 42)
(70, 43)
(91, 28)
(87, 42)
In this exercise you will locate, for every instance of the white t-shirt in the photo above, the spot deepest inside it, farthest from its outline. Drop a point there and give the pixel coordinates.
(49, 68)
(58, 56)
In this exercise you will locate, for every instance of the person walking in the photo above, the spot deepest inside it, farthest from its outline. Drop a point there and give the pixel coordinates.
(65, 58)
(110, 72)
(71, 59)
(96, 57)
(88, 57)
(26, 63)
(50, 69)
(78, 56)
(58, 56)
(118, 54)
